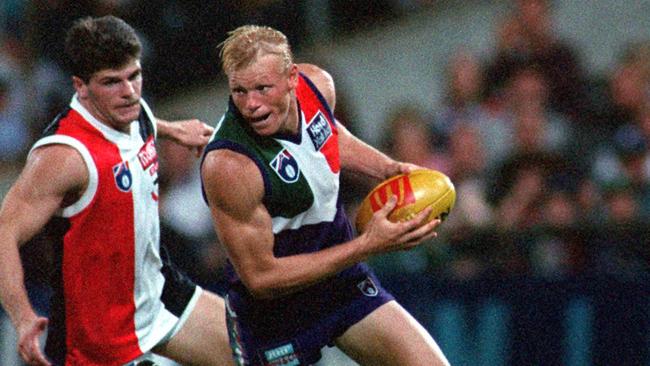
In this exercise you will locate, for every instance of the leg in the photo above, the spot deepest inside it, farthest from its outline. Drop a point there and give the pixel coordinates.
(391, 336)
(203, 339)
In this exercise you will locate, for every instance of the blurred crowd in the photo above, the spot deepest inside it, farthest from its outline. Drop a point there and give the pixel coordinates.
(551, 162)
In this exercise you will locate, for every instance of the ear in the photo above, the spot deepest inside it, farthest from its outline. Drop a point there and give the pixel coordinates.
(293, 76)
(80, 86)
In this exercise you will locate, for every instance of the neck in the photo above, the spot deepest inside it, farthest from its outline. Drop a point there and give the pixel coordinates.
(90, 108)
(293, 118)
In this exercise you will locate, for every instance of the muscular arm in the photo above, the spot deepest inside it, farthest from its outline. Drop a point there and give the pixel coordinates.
(235, 191)
(52, 174)
(355, 154)
(192, 133)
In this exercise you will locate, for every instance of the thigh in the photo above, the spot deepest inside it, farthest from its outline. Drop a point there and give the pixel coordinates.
(203, 339)
(390, 336)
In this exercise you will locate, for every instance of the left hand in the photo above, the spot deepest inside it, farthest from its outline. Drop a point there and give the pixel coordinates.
(191, 133)
(28, 341)
(400, 167)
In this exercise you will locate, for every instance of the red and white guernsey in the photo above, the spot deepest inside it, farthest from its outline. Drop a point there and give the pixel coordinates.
(107, 307)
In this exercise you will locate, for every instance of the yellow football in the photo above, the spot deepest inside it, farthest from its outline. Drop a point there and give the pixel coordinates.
(415, 191)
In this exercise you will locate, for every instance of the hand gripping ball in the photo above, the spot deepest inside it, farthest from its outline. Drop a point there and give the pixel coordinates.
(415, 191)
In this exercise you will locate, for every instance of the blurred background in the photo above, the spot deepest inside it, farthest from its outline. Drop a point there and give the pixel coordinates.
(538, 110)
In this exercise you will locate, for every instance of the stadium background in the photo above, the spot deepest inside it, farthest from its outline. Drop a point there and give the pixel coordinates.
(539, 291)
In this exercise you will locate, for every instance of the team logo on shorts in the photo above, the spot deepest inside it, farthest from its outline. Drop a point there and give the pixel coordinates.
(286, 166)
(368, 287)
(283, 355)
(123, 178)
(319, 130)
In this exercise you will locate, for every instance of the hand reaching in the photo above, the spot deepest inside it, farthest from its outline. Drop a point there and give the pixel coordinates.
(190, 133)
(195, 135)
(29, 344)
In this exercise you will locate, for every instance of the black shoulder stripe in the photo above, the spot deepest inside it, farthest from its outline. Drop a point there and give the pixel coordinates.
(54, 125)
(146, 125)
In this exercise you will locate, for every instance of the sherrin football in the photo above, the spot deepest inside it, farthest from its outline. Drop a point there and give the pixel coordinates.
(415, 191)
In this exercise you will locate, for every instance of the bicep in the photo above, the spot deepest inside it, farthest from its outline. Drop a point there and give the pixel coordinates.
(235, 191)
(51, 174)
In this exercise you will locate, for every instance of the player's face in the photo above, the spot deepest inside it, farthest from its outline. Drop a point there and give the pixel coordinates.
(113, 95)
(264, 94)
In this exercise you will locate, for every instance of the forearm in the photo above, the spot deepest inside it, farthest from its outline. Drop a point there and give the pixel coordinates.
(360, 157)
(166, 129)
(13, 294)
(286, 275)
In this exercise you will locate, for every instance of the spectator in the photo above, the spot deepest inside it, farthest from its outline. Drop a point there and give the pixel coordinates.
(526, 38)
(626, 96)
(15, 132)
(467, 169)
(410, 139)
(462, 104)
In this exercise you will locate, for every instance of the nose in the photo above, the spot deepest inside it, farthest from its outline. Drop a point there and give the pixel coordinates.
(252, 102)
(128, 89)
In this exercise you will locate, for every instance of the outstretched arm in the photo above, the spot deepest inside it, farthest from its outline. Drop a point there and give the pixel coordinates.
(191, 133)
(235, 190)
(51, 175)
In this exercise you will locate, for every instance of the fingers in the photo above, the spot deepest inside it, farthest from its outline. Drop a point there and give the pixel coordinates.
(422, 233)
(29, 346)
(388, 207)
(405, 168)
(31, 353)
(418, 230)
(207, 129)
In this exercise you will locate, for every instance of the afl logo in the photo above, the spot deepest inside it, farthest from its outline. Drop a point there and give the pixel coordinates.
(368, 287)
(286, 167)
(122, 176)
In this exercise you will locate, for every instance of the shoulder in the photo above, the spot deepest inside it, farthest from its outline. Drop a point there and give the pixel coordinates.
(57, 165)
(64, 155)
(231, 179)
(322, 80)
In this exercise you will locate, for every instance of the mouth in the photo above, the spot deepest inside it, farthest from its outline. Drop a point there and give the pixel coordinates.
(259, 119)
(130, 105)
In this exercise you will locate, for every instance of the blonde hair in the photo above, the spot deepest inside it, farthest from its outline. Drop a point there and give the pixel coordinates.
(247, 43)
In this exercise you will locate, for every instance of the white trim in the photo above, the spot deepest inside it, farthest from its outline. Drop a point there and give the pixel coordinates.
(154, 120)
(93, 179)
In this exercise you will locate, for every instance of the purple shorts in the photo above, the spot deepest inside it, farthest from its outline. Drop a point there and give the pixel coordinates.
(292, 330)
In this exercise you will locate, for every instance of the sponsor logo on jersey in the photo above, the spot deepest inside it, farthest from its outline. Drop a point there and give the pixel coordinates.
(147, 154)
(123, 178)
(286, 166)
(368, 287)
(319, 130)
(283, 355)
(400, 187)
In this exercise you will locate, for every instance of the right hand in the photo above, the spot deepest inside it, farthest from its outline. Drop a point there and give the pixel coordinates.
(384, 235)
(29, 346)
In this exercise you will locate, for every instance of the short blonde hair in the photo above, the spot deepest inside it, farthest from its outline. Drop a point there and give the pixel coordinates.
(247, 43)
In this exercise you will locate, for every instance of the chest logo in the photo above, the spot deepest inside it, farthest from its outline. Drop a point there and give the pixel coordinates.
(123, 178)
(286, 166)
(319, 130)
(147, 154)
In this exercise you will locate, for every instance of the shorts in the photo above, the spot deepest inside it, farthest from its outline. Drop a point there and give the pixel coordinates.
(292, 331)
(179, 297)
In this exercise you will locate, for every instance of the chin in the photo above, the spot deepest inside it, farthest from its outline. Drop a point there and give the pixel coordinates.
(130, 117)
(266, 128)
